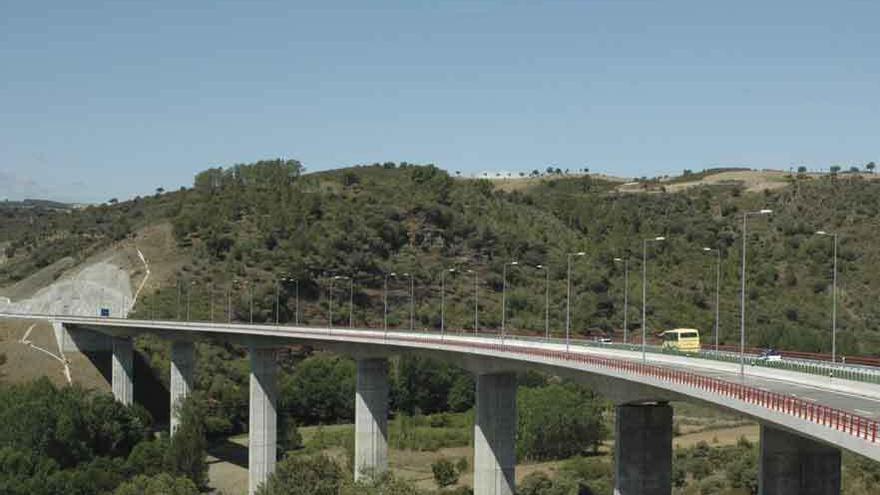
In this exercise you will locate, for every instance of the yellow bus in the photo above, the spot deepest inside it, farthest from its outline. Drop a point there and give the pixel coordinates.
(681, 340)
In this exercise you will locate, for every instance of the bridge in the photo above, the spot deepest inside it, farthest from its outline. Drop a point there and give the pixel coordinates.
(806, 418)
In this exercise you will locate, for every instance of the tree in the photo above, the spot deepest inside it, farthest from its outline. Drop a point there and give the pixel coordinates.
(188, 447)
(298, 475)
(445, 473)
(835, 169)
(801, 170)
(854, 169)
(870, 167)
(113, 201)
(557, 422)
(163, 484)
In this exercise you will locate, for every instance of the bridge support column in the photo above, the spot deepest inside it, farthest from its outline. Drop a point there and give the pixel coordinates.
(794, 465)
(123, 370)
(495, 435)
(643, 450)
(182, 367)
(262, 431)
(371, 418)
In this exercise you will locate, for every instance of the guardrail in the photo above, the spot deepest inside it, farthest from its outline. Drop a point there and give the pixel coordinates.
(820, 368)
(837, 419)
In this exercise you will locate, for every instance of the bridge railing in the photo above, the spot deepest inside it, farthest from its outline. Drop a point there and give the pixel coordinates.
(837, 419)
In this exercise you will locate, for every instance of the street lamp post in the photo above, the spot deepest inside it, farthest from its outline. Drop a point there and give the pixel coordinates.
(504, 297)
(568, 301)
(330, 302)
(742, 302)
(645, 293)
(251, 304)
(296, 308)
(833, 295)
(717, 292)
(412, 307)
(476, 302)
(443, 301)
(188, 290)
(212, 302)
(546, 299)
(625, 297)
(228, 305)
(277, 301)
(385, 301)
(351, 302)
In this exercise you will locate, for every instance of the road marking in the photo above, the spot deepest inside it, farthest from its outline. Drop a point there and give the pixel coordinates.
(862, 411)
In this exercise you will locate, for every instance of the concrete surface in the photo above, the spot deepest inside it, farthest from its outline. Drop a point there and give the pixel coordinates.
(643, 450)
(183, 361)
(262, 430)
(371, 418)
(123, 370)
(793, 465)
(495, 435)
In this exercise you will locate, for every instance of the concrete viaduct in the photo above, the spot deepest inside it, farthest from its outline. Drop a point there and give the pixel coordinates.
(805, 420)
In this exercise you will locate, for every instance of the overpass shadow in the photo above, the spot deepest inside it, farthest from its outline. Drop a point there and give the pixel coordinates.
(149, 390)
(226, 450)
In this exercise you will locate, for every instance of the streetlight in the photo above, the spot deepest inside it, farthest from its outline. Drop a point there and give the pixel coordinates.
(546, 299)
(330, 304)
(412, 307)
(625, 296)
(385, 301)
(568, 301)
(833, 295)
(228, 305)
(251, 305)
(278, 283)
(443, 301)
(504, 296)
(351, 302)
(645, 292)
(717, 291)
(188, 290)
(476, 302)
(742, 320)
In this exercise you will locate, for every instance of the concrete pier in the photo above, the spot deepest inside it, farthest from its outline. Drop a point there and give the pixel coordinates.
(793, 465)
(643, 450)
(262, 432)
(123, 370)
(182, 369)
(495, 435)
(371, 418)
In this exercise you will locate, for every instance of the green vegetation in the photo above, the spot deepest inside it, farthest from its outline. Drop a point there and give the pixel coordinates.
(321, 475)
(247, 226)
(73, 441)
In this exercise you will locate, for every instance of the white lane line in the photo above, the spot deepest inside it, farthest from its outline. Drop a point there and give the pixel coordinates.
(863, 412)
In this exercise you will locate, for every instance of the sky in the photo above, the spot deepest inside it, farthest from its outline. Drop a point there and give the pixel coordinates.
(115, 99)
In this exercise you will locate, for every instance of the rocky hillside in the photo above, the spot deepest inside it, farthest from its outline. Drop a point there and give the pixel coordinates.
(242, 228)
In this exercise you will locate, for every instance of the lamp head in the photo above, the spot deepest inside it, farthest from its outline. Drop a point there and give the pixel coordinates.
(765, 212)
(821, 232)
(618, 260)
(660, 238)
(580, 253)
(707, 249)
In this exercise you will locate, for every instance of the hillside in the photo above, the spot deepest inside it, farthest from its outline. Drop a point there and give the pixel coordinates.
(246, 226)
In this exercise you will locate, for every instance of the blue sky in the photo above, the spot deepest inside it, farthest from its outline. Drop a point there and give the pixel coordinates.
(104, 99)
